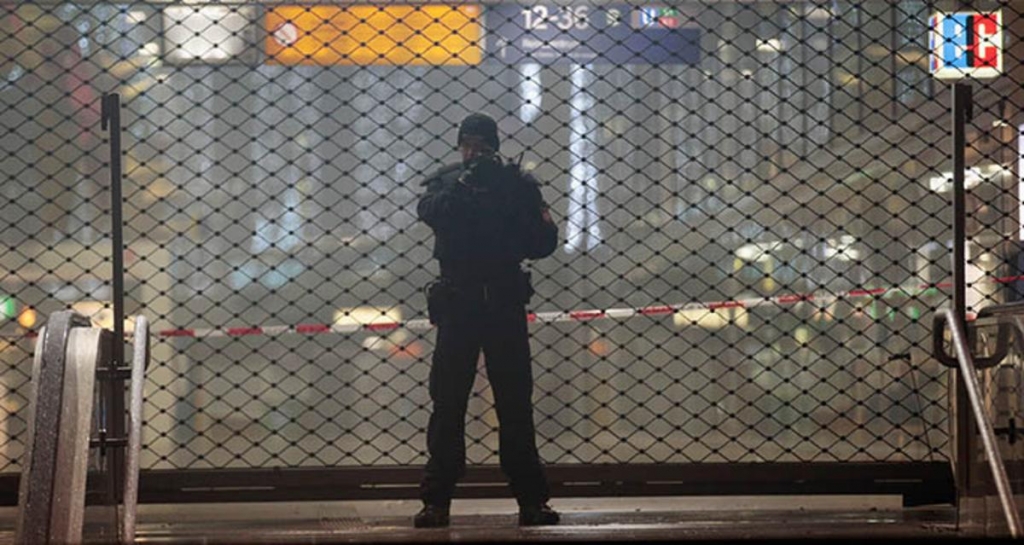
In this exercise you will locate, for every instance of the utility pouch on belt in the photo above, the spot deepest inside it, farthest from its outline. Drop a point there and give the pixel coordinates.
(526, 286)
(438, 300)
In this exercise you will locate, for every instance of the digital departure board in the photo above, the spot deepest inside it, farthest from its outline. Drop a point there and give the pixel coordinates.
(614, 34)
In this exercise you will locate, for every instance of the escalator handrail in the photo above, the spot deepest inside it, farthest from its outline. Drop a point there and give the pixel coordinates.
(1002, 309)
(140, 361)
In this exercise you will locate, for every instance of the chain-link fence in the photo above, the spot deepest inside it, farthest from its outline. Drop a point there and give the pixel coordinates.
(753, 200)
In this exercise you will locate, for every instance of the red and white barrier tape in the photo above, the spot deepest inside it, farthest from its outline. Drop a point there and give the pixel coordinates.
(821, 298)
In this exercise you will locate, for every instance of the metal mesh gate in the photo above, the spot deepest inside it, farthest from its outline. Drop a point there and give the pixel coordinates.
(752, 196)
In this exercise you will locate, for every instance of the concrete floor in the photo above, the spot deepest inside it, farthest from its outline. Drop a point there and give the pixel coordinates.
(607, 519)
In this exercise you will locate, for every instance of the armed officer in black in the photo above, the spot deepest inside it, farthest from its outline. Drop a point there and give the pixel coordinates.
(487, 217)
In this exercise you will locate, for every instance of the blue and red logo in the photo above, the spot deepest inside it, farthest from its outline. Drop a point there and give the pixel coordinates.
(657, 17)
(967, 43)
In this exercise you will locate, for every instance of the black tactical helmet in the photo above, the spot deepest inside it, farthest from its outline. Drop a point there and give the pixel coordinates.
(481, 125)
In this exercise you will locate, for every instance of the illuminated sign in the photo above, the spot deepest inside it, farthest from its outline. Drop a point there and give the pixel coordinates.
(8, 307)
(368, 34)
(28, 318)
(967, 44)
(612, 34)
(1020, 182)
(208, 34)
(656, 17)
(972, 177)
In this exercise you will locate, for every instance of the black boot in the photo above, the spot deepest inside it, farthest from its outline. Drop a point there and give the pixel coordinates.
(431, 516)
(537, 515)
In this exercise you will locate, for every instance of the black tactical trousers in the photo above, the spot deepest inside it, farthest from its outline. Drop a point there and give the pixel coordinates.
(491, 318)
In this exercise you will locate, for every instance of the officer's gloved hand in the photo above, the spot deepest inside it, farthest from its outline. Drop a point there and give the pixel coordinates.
(482, 171)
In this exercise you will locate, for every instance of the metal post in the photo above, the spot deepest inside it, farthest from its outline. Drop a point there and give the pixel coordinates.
(112, 391)
(111, 119)
(961, 99)
(961, 115)
(965, 447)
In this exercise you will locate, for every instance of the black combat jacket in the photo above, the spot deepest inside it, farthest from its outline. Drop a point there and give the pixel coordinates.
(496, 223)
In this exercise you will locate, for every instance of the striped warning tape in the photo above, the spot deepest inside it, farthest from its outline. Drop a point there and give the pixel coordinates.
(822, 298)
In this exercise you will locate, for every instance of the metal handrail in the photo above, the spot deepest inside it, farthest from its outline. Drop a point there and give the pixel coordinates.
(968, 373)
(1013, 308)
(981, 362)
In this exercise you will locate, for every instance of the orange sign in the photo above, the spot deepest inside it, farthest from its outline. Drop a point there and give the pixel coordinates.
(384, 34)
